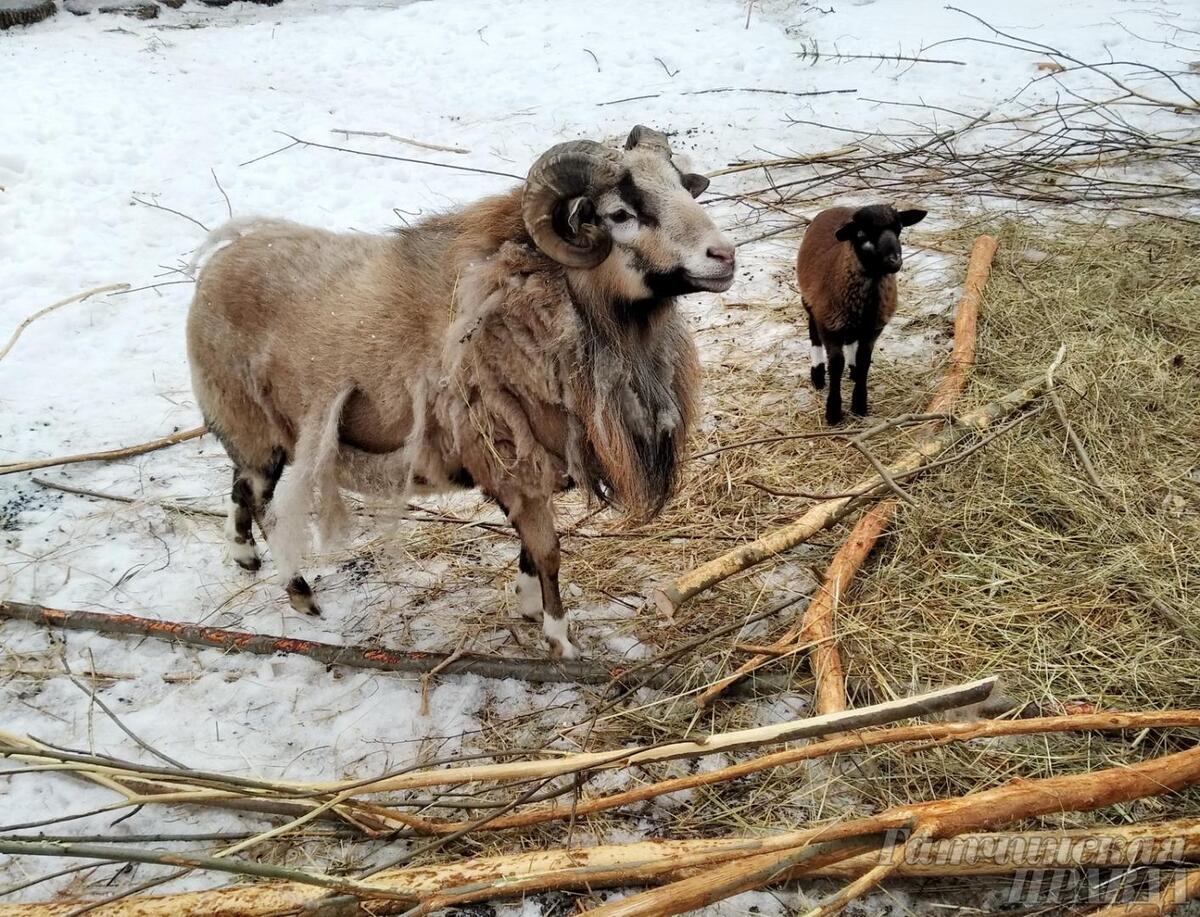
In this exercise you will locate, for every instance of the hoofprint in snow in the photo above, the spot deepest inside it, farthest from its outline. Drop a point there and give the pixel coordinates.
(104, 117)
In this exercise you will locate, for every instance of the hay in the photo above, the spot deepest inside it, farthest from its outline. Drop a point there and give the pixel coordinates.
(1016, 564)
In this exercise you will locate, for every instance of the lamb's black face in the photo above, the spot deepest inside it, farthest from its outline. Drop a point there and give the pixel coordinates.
(875, 234)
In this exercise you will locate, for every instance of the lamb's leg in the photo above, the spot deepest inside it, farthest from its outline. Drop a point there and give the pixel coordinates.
(534, 522)
(837, 366)
(858, 401)
(817, 351)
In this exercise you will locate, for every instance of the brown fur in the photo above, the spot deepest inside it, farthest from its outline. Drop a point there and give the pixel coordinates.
(448, 352)
(832, 282)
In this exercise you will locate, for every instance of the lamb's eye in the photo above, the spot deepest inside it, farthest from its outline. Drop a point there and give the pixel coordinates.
(621, 216)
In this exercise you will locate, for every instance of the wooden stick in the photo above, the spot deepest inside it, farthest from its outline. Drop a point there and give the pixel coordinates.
(1185, 888)
(105, 456)
(216, 789)
(538, 671)
(106, 852)
(946, 818)
(940, 733)
(816, 625)
(437, 147)
(973, 854)
(920, 705)
(709, 886)
(825, 514)
(78, 297)
(966, 320)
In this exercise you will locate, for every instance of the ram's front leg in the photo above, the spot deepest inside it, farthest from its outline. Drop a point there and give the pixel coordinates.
(534, 521)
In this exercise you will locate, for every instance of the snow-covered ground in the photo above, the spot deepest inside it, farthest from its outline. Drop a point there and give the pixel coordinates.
(101, 116)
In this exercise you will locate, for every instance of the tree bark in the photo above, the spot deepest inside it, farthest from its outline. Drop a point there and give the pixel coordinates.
(538, 671)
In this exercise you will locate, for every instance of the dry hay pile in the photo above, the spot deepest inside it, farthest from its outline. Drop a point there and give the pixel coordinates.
(1016, 563)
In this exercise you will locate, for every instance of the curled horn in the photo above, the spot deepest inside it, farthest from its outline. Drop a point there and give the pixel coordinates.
(648, 137)
(569, 170)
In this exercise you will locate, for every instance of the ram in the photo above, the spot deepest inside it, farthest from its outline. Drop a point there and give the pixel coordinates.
(524, 344)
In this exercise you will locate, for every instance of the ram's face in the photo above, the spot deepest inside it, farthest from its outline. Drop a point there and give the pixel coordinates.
(631, 220)
(663, 241)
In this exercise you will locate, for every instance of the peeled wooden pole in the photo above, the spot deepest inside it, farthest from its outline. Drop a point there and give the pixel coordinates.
(1185, 888)
(825, 514)
(657, 861)
(943, 818)
(816, 626)
(940, 733)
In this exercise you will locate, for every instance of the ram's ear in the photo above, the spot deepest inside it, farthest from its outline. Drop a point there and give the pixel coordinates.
(909, 217)
(695, 183)
(577, 213)
(846, 233)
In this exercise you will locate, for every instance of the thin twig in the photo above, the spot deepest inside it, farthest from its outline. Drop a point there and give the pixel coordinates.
(141, 743)
(228, 206)
(1076, 444)
(436, 147)
(422, 162)
(78, 297)
(177, 213)
(107, 455)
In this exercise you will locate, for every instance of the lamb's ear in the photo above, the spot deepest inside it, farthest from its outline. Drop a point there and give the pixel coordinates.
(695, 183)
(908, 217)
(846, 233)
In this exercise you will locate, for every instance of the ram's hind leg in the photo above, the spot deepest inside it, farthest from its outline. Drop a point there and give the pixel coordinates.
(238, 532)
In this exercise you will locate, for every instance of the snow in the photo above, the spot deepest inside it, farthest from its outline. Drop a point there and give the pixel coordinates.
(100, 112)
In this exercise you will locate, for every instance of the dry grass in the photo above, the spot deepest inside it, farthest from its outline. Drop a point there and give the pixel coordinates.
(1015, 564)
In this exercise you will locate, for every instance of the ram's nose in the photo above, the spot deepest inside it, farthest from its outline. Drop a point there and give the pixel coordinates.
(892, 263)
(722, 253)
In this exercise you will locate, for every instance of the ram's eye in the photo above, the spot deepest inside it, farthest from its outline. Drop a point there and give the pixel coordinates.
(621, 216)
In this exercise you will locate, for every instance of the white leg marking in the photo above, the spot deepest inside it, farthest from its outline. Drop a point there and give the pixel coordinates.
(243, 552)
(258, 485)
(818, 355)
(529, 596)
(555, 630)
(231, 522)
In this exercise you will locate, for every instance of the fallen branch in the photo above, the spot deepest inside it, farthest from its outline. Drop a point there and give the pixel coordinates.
(947, 818)
(144, 783)
(967, 853)
(105, 456)
(816, 625)
(437, 147)
(538, 671)
(182, 508)
(422, 162)
(78, 297)
(820, 517)
(120, 854)
(938, 733)
(1185, 888)
(922, 704)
